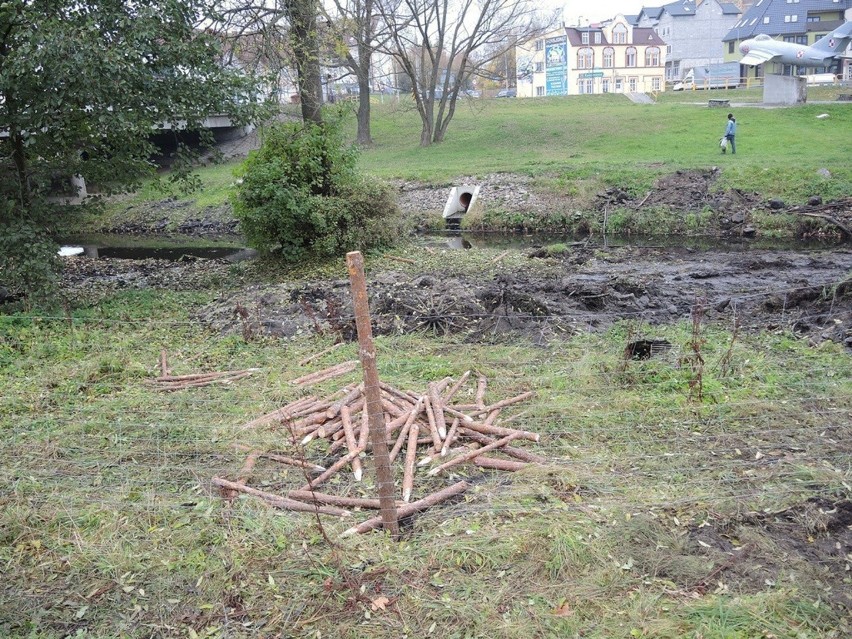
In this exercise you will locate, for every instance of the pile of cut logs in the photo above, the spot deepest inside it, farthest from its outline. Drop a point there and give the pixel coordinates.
(425, 425)
(168, 382)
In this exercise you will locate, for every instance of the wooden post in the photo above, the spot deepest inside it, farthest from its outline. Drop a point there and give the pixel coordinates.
(372, 392)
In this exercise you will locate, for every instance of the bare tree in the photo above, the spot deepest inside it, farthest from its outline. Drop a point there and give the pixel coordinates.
(357, 21)
(441, 44)
(277, 36)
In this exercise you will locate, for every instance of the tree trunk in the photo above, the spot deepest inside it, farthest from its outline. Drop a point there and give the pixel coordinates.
(365, 53)
(364, 135)
(302, 15)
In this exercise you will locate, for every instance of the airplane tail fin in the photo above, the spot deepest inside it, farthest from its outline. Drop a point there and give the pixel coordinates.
(836, 41)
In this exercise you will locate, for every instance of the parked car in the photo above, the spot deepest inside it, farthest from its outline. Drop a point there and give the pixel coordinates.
(507, 93)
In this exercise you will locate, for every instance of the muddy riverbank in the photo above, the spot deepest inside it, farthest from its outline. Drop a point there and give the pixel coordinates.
(546, 297)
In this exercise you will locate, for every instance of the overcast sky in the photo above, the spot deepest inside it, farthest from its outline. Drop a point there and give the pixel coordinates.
(598, 9)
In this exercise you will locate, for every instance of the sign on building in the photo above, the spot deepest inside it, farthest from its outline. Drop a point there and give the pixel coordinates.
(556, 67)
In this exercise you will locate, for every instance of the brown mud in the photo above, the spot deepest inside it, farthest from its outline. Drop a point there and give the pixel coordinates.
(809, 293)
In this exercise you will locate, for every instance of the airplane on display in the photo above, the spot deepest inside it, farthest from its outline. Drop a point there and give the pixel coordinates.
(822, 53)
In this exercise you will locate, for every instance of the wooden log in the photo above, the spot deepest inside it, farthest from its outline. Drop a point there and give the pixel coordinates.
(350, 397)
(451, 437)
(455, 387)
(465, 419)
(412, 417)
(349, 435)
(372, 392)
(495, 464)
(400, 395)
(197, 377)
(504, 402)
(492, 416)
(466, 456)
(409, 509)
(280, 502)
(329, 428)
(326, 373)
(409, 466)
(481, 385)
(433, 426)
(164, 364)
(517, 453)
(165, 386)
(393, 409)
(298, 463)
(487, 429)
(279, 414)
(334, 500)
(438, 410)
(332, 470)
(243, 475)
(326, 351)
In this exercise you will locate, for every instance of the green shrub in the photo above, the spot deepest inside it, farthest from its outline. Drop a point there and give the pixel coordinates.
(28, 258)
(302, 195)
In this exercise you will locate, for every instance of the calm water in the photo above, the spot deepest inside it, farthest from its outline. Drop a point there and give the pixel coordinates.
(119, 247)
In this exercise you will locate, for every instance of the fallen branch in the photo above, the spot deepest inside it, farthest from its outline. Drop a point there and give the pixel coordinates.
(328, 350)
(326, 373)
(410, 509)
(280, 502)
(470, 455)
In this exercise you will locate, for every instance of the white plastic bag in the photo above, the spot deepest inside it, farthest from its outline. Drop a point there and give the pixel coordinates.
(724, 143)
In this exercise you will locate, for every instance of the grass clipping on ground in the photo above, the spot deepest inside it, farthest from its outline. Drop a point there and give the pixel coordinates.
(656, 514)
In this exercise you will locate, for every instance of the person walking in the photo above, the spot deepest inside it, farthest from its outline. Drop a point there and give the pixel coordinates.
(730, 133)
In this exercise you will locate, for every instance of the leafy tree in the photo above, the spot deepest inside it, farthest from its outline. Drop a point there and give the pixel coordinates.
(82, 87)
(302, 195)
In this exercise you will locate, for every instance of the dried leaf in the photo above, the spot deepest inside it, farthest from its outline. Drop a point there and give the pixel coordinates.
(563, 611)
(379, 603)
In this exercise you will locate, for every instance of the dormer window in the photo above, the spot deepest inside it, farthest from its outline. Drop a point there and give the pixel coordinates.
(619, 34)
(584, 37)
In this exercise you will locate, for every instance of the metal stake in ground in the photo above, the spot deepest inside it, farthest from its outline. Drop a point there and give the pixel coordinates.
(372, 392)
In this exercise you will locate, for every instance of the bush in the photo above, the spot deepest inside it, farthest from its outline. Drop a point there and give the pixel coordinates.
(28, 258)
(302, 195)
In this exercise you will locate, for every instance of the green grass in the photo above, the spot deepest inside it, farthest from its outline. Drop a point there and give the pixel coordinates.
(110, 528)
(578, 145)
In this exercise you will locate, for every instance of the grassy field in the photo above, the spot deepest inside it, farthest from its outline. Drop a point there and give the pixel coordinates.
(656, 514)
(579, 145)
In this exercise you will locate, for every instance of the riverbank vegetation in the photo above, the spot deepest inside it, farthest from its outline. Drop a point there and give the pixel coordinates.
(573, 149)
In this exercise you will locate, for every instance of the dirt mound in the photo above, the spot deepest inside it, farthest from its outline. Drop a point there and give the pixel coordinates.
(761, 289)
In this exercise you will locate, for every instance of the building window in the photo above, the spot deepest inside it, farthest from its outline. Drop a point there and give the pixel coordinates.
(539, 67)
(586, 58)
(584, 37)
(619, 34)
(605, 85)
(652, 57)
(631, 82)
(765, 19)
(802, 39)
(813, 18)
(655, 84)
(539, 45)
(676, 69)
(794, 18)
(630, 57)
(608, 57)
(731, 46)
(586, 86)
(598, 37)
(618, 85)
(539, 92)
